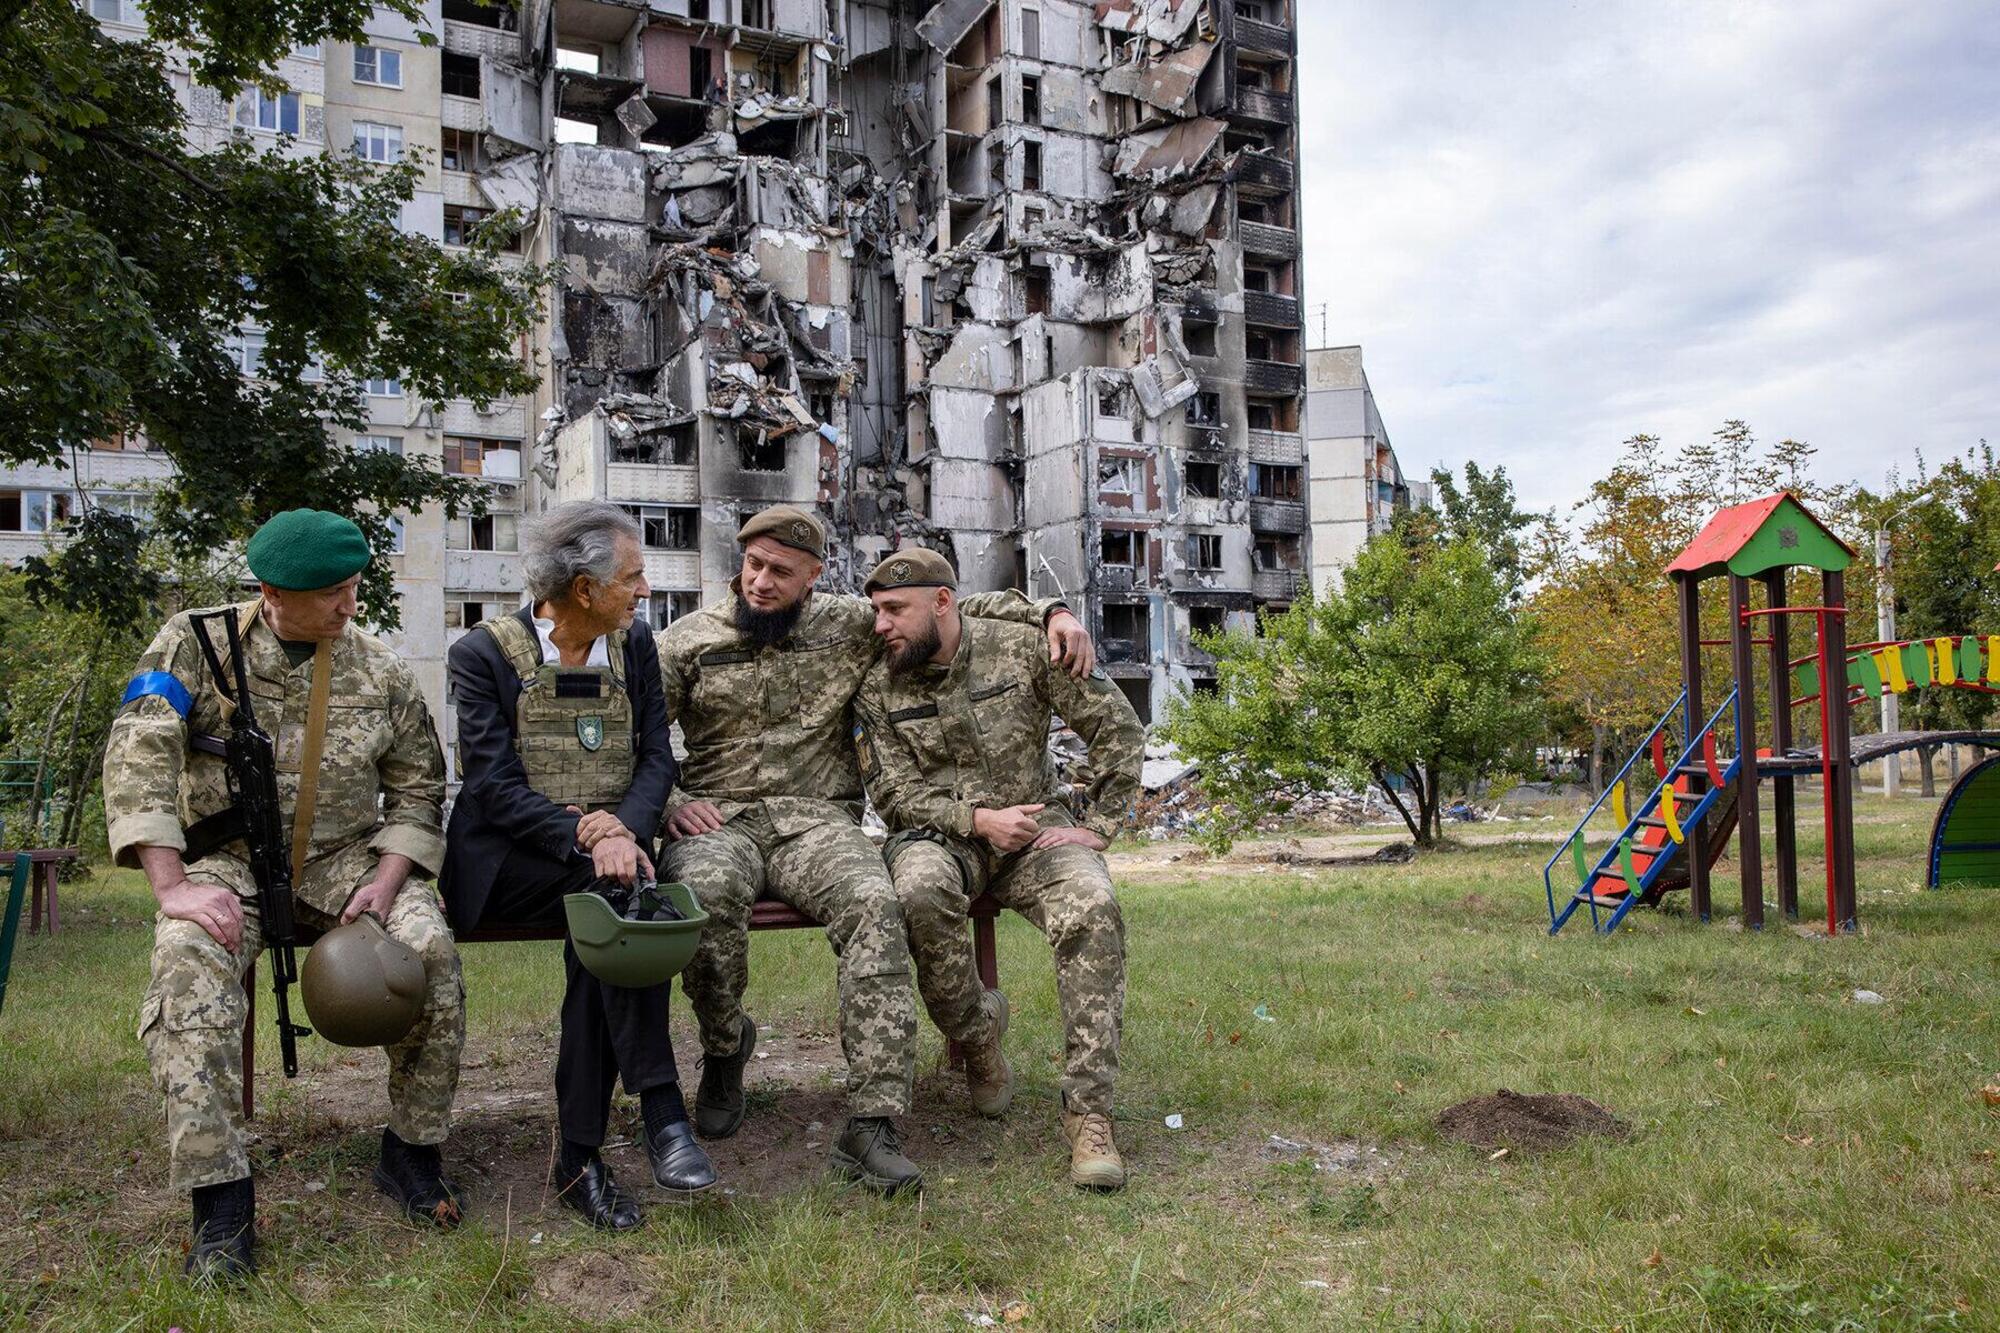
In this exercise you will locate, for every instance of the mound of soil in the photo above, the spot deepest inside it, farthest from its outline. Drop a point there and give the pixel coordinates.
(1528, 1120)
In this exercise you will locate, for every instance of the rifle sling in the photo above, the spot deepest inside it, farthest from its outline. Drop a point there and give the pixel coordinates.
(210, 834)
(315, 743)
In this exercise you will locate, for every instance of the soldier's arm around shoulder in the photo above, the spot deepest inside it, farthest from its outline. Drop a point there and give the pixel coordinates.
(1097, 710)
(489, 769)
(1012, 606)
(146, 752)
(411, 772)
(903, 796)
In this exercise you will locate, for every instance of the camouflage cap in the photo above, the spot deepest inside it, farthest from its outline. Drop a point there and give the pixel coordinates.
(914, 568)
(786, 524)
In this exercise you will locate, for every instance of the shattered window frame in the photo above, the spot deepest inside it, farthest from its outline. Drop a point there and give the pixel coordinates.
(665, 527)
(1205, 551)
(1201, 478)
(1112, 540)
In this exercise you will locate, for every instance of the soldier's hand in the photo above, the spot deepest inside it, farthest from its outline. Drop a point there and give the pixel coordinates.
(694, 818)
(1069, 645)
(617, 858)
(596, 826)
(375, 897)
(1081, 837)
(1009, 830)
(209, 906)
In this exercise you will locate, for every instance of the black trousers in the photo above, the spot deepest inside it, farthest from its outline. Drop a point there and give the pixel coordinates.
(608, 1032)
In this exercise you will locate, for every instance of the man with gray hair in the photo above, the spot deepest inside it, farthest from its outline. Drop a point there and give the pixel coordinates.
(566, 762)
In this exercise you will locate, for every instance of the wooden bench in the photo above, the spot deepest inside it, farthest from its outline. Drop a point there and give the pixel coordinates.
(47, 863)
(766, 914)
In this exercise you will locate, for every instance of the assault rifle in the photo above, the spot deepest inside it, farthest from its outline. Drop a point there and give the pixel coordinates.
(253, 817)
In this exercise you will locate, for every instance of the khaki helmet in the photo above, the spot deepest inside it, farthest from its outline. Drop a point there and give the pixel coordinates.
(361, 987)
(651, 941)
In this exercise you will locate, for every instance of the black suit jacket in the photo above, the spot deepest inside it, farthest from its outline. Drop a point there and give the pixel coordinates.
(497, 811)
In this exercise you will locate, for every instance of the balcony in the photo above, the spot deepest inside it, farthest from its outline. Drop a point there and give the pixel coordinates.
(461, 113)
(1275, 585)
(473, 39)
(1259, 36)
(1282, 447)
(1261, 238)
(1264, 173)
(1277, 515)
(673, 569)
(1264, 105)
(652, 483)
(1269, 377)
(1271, 309)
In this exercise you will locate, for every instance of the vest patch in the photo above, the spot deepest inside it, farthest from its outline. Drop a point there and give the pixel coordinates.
(911, 714)
(590, 731)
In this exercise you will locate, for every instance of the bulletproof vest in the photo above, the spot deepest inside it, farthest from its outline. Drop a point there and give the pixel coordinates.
(573, 725)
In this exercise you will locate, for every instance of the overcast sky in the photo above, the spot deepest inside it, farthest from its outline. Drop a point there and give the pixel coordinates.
(1555, 225)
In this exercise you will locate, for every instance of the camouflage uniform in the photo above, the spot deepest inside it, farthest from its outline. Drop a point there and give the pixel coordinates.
(770, 740)
(381, 787)
(973, 733)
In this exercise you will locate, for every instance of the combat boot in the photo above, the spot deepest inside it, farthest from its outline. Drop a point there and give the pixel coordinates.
(413, 1175)
(869, 1151)
(225, 1231)
(718, 1102)
(988, 1076)
(1094, 1163)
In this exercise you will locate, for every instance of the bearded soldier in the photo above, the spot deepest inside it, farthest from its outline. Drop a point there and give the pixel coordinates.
(954, 746)
(343, 708)
(769, 804)
(566, 760)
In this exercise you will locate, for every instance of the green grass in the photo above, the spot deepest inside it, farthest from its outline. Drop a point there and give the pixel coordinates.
(1797, 1160)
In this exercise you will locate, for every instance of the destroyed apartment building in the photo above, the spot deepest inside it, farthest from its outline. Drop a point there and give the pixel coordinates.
(1014, 279)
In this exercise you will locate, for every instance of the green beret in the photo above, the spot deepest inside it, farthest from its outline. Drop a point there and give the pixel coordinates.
(789, 525)
(917, 567)
(304, 549)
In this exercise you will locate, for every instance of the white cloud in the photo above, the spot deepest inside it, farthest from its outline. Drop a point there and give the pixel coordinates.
(1552, 226)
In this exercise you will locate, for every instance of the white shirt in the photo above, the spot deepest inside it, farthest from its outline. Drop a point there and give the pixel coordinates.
(600, 651)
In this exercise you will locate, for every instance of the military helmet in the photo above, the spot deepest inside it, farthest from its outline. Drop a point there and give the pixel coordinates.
(361, 987)
(642, 939)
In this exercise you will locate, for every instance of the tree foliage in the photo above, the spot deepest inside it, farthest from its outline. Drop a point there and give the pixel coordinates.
(128, 262)
(1415, 668)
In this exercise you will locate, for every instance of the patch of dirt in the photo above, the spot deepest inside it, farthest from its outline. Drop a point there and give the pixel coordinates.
(1292, 852)
(593, 1287)
(1351, 1157)
(1528, 1121)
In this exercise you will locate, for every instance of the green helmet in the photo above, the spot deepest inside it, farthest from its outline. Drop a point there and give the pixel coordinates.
(361, 987)
(650, 942)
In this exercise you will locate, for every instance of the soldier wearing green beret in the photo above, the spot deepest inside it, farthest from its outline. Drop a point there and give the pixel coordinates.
(769, 805)
(372, 843)
(954, 727)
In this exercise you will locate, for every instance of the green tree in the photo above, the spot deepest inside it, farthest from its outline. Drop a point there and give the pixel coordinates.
(127, 262)
(1416, 668)
(1485, 511)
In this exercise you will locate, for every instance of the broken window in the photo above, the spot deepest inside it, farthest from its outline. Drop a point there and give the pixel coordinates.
(1111, 399)
(1031, 165)
(1205, 409)
(495, 15)
(1031, 33)
(1275, 550)
(698, 10)
(378, 143)
(1253, 210)
(458, 150)
(459, 74)
(1139, 693)
(1262, 417)
(1031, 99)
(1259, 345)
(378, 65)
(820, 403)
(33, 511)
(1035, 290)
(1128, 633)
(1204, 619)
(1271, 481)
(756, 14)
(582, 59)
(665, 608)
(490, 532)
(666, 527)
(701, 72)
(1200, 339)
(1117, 547)
(1032, 219)
(996, 111)
(1257, 279)
(1120, 476)
(760, 452)
(276, 113)
(1205, 550)
(1204, 480)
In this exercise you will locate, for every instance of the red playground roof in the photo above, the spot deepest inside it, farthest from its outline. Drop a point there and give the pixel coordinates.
(1761, 535)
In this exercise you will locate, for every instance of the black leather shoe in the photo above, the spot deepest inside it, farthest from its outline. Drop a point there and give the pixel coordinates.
(718, 1102)
(225, 1231)
(678, 1161)
(592, 1192)
(413, 1175)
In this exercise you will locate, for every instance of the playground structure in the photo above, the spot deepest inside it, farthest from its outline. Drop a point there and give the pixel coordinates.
(1707, 768)
(1965, 840)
